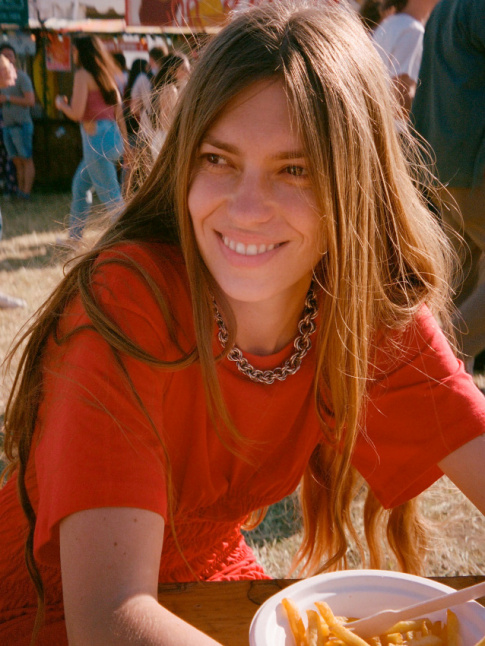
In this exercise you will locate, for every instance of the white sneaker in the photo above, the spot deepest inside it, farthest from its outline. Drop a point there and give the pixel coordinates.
(10, 301)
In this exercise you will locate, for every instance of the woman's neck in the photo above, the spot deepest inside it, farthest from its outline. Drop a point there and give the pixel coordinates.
(265, 328)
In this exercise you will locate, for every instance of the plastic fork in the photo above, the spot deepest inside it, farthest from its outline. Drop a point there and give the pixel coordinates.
(381, 621)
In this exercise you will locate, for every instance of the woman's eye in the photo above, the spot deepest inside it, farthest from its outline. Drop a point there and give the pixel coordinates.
(296, 171)
(213, 159)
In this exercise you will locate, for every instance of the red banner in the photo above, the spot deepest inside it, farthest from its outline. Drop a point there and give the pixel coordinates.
(180, 13)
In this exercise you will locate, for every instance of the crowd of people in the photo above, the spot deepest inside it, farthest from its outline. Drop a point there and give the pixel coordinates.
(269, 308)
(123, 116)
(434, 56)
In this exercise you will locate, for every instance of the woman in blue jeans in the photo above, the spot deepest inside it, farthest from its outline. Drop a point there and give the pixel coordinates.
(96, 104)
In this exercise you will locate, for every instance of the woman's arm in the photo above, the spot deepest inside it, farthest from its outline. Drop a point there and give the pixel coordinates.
(465, 467)
(75, 110)
(110, 560)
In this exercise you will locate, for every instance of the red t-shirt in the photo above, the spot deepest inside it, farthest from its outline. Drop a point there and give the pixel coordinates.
(94, 446)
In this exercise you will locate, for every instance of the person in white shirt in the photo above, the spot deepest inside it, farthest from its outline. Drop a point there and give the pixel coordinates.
(399, 41)
(141, 91)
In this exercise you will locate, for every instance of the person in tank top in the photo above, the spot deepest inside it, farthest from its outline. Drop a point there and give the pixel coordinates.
(96, 104)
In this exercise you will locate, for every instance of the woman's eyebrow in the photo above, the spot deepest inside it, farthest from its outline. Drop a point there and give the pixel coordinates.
(290, 154)
(217, 143)
(230, 148)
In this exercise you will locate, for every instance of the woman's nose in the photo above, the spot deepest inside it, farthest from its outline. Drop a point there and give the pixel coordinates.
(251, 199)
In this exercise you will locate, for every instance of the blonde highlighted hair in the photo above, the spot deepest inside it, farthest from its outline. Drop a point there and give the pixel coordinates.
(385, 253)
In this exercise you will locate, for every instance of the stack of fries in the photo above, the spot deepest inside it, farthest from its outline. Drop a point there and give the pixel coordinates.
(325, 629)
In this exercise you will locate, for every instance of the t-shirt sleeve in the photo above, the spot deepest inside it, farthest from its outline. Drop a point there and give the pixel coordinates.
(25, 84)
(100, 425)
(407, 53)
(421, 408)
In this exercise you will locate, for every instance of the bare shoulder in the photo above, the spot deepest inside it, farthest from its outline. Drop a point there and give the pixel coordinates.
(86, 78)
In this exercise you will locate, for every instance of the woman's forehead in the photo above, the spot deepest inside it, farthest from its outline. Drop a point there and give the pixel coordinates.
(263, 100)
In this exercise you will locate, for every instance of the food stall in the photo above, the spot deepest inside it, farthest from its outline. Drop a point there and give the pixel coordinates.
(41, 32)
(43, 45)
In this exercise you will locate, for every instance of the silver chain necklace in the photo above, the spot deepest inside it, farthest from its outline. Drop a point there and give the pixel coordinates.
(302, 345)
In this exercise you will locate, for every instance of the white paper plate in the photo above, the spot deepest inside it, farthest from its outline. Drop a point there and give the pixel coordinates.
(358, 593)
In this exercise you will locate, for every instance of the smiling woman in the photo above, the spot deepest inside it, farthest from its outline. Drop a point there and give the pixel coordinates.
(254, 214)
(260, 315)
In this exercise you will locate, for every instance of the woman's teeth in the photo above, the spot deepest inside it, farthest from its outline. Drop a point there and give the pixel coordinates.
(247, 250)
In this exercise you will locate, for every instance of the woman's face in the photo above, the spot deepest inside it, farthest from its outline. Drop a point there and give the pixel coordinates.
(251, 200)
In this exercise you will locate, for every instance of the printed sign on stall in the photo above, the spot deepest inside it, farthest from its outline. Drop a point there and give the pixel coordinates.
(58, 53)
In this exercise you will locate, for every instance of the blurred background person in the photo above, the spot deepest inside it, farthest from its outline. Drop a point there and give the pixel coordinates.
(8, 76)
(8, 176)
(18, 127)
(399, 41)
(122, 76)
(139, 67)
(96, 104)
(449, 112)
(142, 89)
(171, 77)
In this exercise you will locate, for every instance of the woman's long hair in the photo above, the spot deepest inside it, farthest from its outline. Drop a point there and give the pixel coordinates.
(385, 253)
(94, 58)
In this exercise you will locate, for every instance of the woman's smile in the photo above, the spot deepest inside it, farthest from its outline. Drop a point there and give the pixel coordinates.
(248, 249)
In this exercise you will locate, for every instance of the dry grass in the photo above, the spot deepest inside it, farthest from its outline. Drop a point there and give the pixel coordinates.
(457, 535)
(30, 263)
(30, 266)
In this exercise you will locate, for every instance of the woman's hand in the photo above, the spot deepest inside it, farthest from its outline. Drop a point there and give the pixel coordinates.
(61, 102)
(110, 561)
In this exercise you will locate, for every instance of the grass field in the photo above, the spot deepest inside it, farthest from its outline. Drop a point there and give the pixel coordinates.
(31, 264)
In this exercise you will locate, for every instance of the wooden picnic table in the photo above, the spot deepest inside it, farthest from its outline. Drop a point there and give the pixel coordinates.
(224, 610)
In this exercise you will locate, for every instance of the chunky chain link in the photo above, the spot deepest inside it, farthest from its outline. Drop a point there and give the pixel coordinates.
(302, 345)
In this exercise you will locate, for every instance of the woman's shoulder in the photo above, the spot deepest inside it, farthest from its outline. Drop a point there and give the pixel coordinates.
(420, 347)
(83, 75)
(142, 289)
(157, 265)
(84, 79)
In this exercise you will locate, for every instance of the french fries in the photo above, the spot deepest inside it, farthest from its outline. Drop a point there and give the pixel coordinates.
(324, 629)
(296, 622)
